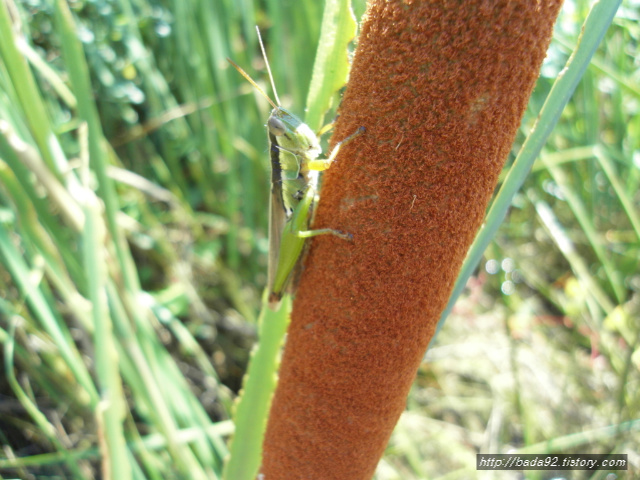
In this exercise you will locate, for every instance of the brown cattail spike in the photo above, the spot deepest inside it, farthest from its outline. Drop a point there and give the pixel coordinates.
(440, 88)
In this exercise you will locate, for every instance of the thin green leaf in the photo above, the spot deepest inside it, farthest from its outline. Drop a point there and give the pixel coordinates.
(331, 68)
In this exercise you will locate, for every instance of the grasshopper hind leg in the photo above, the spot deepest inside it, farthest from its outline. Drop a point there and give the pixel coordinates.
(292, 282)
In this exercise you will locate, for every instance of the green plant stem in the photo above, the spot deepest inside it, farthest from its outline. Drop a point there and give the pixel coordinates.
(110, 413)
(253, 406)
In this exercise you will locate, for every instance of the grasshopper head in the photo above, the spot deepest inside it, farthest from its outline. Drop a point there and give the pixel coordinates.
(292, 134)
(288, 132)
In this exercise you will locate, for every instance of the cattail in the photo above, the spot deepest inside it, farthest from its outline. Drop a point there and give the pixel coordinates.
(440, 88)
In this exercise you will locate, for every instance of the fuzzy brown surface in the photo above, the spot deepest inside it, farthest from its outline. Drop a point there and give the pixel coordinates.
(440, 88)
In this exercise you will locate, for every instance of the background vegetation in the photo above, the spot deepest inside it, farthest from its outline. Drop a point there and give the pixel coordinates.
(541, 354)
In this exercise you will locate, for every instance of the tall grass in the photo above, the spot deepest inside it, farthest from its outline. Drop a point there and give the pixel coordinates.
(133, 190)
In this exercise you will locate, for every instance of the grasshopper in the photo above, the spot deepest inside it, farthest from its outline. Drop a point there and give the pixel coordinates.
(294, 149)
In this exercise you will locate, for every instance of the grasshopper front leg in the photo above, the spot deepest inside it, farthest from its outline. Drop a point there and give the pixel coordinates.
(321, 164)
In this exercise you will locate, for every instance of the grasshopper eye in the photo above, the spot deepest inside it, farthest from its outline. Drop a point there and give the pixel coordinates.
(276, 126)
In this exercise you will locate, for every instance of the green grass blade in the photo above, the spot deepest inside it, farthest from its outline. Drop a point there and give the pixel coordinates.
(621, 193)
(575, 441)
(578, 264)
(152, 442)
(252, 408)
(98, 153)
(111, 411)
(581, 213)
(24, 85)
(331, 66)
(31, 408)
(16, 266)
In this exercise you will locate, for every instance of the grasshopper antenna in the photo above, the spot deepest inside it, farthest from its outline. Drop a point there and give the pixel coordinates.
(266, 61)
(252, 82)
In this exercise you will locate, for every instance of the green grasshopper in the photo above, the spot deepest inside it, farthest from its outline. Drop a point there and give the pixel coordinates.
(295, 168)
